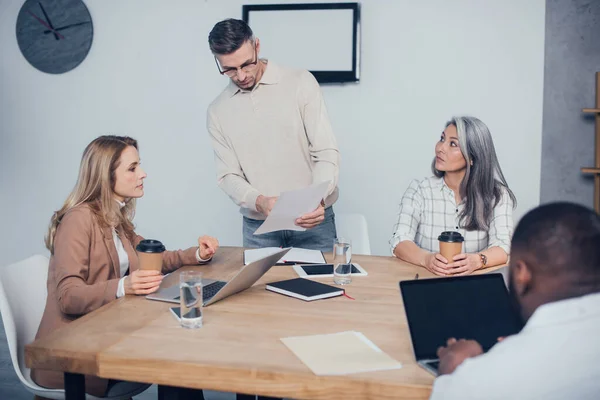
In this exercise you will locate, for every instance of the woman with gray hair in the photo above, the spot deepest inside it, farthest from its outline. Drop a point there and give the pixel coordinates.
(468, 194)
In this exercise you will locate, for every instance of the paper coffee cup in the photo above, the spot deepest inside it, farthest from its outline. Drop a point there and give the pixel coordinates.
(450, 244)
(149, 253)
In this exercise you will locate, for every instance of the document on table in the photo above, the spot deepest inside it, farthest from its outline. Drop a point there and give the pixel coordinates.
(290, 206)
(295, 256)
(340, 353)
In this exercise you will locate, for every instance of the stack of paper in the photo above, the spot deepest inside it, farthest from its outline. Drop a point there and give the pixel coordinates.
(295, 256)
(340, 353)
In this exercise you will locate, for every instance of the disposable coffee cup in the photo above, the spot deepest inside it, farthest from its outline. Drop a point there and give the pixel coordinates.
(450, 244)
(150, 254)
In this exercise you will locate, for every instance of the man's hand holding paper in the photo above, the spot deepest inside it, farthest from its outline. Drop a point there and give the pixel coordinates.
(312, 219)
(295, 210)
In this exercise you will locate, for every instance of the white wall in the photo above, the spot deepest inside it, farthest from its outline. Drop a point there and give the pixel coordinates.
(150, 75)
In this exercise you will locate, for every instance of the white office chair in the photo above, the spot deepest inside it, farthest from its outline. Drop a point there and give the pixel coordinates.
(354, 227)
(22, 300)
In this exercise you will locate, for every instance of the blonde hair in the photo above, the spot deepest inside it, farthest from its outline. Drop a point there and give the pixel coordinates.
(95, 187)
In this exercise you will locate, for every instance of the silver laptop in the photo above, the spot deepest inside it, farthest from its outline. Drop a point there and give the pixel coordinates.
(213, 291)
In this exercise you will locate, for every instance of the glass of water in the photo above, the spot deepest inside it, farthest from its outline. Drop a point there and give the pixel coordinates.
(190, 291)
(342, 259)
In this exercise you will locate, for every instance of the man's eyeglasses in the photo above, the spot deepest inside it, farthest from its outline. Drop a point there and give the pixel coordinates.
(247, 67)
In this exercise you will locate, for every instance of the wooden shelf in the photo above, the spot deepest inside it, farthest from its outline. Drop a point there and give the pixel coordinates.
(590, 170)
(595, 171)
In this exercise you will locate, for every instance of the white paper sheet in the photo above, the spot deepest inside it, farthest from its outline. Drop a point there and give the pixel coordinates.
(296, 254)
(290, 206)
(340, 353)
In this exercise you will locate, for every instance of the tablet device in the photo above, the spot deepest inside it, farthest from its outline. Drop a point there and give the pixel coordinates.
(176, 311)
(324, 270)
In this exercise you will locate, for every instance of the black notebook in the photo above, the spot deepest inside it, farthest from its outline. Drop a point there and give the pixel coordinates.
(305, 289)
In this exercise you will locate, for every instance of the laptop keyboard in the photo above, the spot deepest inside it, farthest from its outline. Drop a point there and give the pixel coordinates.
(209, 291)
(434, 364)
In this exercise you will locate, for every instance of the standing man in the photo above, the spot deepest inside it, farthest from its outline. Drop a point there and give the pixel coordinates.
(271, 133)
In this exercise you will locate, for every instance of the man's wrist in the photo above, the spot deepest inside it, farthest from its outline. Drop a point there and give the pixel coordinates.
(251, 200)
(258, 203)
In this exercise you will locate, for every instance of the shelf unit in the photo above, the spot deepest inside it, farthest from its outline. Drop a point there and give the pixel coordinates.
(596, 169)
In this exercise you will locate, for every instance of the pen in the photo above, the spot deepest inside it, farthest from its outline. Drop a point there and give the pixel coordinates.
(416, 276)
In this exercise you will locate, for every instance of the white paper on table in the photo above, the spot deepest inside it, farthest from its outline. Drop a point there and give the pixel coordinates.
(340, 353)
(296, 254)
(290, 206)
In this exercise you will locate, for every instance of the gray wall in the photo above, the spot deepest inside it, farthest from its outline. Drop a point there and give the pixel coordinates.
(571, 61)
(386, 126)
(572, 57)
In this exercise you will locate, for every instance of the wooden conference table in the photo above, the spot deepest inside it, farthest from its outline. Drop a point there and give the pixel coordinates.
(239, 349)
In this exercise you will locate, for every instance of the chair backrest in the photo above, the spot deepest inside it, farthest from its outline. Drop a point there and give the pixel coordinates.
(354, 227)
(23, 295)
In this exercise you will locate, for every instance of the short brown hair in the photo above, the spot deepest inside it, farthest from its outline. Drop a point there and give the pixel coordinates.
(229, 35)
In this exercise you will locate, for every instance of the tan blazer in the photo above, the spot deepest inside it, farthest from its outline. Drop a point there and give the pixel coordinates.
(83, 276)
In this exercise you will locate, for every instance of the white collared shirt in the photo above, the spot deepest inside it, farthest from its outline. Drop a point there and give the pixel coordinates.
(123, 262)
(556, 356)
(429, 208)
(123, 257)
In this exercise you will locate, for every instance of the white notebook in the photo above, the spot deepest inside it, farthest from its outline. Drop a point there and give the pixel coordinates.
(295, 256)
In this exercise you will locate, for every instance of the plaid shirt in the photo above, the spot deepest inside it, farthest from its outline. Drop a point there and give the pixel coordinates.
(428, 208)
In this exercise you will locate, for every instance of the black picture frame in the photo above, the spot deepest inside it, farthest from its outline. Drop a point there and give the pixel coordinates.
(322, 76)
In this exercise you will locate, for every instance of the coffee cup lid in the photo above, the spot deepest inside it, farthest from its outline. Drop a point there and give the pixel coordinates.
(150, 246)
(451, 237)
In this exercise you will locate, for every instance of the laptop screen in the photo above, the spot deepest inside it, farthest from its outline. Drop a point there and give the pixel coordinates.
(471, 307)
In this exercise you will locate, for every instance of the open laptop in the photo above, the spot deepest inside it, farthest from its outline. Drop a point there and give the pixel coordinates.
(213, 291)
(471, 307)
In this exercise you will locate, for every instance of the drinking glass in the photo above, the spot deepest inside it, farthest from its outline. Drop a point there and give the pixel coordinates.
(342, 261)
(190, 290)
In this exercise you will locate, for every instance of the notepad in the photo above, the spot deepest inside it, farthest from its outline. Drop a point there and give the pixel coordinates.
(305, 289)
(295, 256)
(340, 353)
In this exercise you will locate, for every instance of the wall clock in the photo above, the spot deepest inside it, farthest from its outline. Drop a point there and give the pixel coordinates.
(55, 36)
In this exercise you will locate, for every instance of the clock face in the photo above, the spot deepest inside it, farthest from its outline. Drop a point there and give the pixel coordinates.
(55, 36)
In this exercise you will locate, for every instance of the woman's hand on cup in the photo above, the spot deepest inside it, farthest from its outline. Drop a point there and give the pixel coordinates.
(437, 264)
(465, 264)
(142, 282)
(208, 246)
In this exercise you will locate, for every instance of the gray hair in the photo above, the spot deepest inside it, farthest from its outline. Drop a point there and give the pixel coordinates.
(484, 183)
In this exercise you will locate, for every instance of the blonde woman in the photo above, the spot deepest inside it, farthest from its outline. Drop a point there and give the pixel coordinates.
(92, 244)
